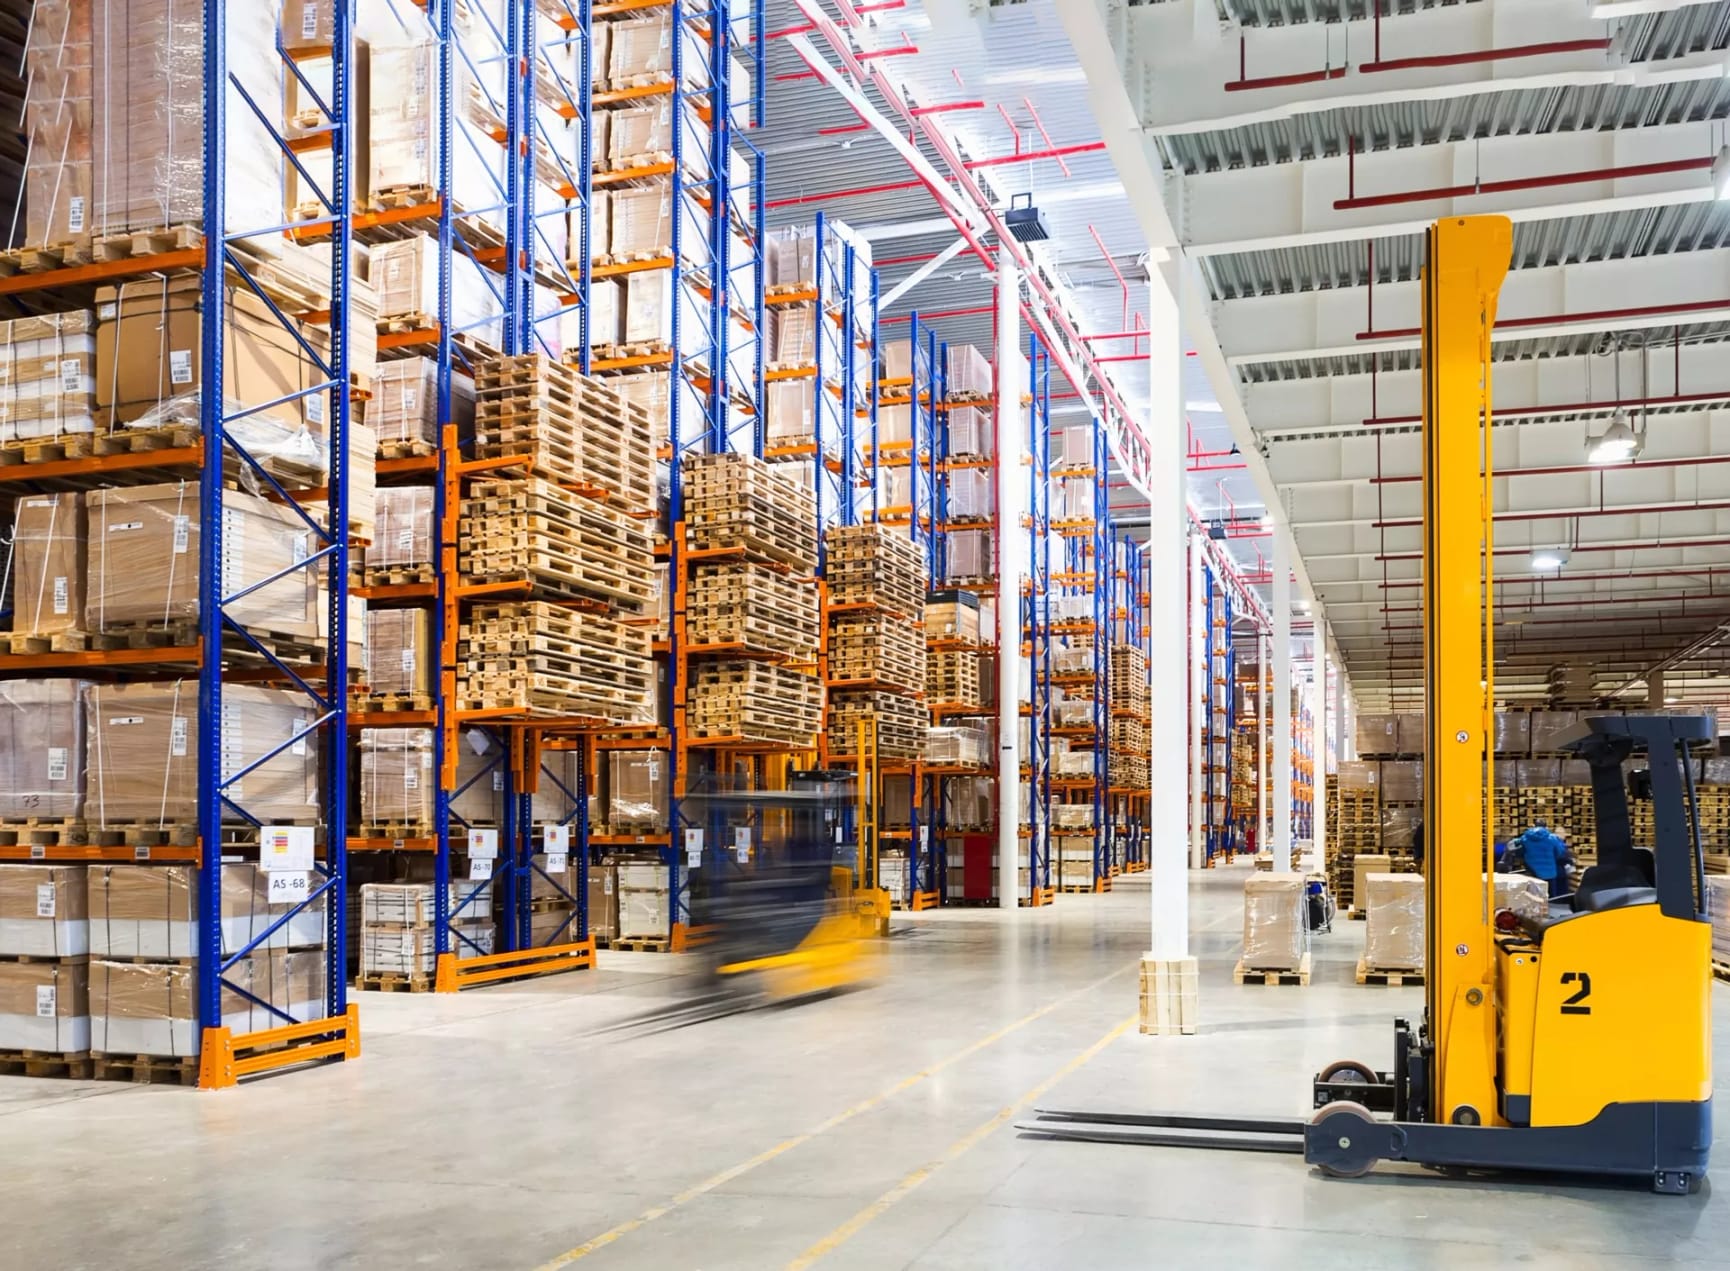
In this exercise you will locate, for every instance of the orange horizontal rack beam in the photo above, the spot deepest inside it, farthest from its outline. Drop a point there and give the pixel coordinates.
(98, 465)
(393, 845)
(74, 853)
(103, 271)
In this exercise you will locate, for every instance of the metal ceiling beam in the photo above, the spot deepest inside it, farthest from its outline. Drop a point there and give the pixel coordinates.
(925, 271)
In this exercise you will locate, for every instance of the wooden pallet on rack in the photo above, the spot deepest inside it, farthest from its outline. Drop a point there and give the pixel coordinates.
(901, 723)
(566, 427)
(756, 702)
(876, 650)
(542, 659)
(756, 607)
(875, 565)
(737, 502)
(952, 677)
(558, 544)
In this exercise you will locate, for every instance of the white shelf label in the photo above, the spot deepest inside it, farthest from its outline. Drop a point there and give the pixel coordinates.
(285, 849)
(289, 888)
(693, 849)
(556, 838)
(480, 868)
(742, 842)
(484, 844)
(558, 862)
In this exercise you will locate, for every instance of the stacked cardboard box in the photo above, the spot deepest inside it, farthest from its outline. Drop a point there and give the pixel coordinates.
(952, 615)
(42, 755)
(143, 754)
(398, 783)
(1275, 926)
(399, 660)
(144, 950)
(403, 548)
(48, 570)
(399, 929)
(1394, 940)
(645, 911)
(636, 792)
(44, 955)
(405, 407)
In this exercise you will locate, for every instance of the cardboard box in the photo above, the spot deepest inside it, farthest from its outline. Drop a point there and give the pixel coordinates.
(150, 368)
(148, 135)
(606, 317)
(556, 925)
(971, 432)
(59, 85)
(404, 117)
(1378, 734)
(791, 412)
(150, 1008)
(142, 741)
(1513, 733)
(1548, 728)
(48, 375)
(1363, 865)
(952, 615)
(143, 561)
(44, 911)
(1525, 895)
(1394, 940)
(42, 756)
(640, 223)
(1360, 775)
(151, 911)
(970, 372)
(1275, 926)
(794, 335)
(792, 259)
(413, 904)
(399, 650)
(414, 950)
(45, 1006)
(640, 48)
(644, 912)
(1403, 781)
(897, 359)
(405, 402)
(405, 528)
(649, 300)
(397, 786)
(637, 787)
(603, 901)
(480, 797)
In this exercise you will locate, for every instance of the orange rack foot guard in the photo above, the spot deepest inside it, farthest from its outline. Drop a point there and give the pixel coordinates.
(454, 974)
(223, 1058)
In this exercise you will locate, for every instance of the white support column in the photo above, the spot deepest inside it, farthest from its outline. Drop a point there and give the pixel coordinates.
(1169, 975)
(1320, 747)
(1169, 572)
(1012, 566)
(1262, 697)
(1200, 668)
(1282, 722)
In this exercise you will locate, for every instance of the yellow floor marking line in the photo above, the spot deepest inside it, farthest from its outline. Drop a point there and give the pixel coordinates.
(896, 1194)
(840, 1118)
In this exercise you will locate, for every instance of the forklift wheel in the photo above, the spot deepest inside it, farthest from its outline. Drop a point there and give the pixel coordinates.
(1352, 1158)
(1349, 1070)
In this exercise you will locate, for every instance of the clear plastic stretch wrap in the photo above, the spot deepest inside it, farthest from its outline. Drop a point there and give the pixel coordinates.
(971, 496)
(44, 912)
(151, 911)
(1363, 865)
(44, 1006)
(143, 561)
(1275, 932)
(41, 748)
(641, 221)
(405, 401)
(606, 316)
(1394, 938)
(58, 172)
(637, 795)
(397, 787)
(150, 1008)
(970, 555)
(970, 372)
(792, 260)
(48, 376)
(148, 118)
(1527, 896)
(897, 359)
(143, 753)
(48, 564)
(957, 746)
(406, 274)
(405, 528)
(795, 336)
(399, 657)
(791, 414)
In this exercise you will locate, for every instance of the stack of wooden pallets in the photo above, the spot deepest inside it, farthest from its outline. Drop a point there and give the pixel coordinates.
(560, 545)
(755, 702)
(751, 608)
(549, 660)
(875, 565)
(901, 722)
(565, 427)
(952, 677)
(876, 651)
(877, 668)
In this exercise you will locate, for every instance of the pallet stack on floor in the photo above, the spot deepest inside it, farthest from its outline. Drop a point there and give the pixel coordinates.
(876, 656)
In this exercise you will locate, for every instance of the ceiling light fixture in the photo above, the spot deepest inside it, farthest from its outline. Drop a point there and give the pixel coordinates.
(1618, 443)
(1549, 558)
(1024, 221)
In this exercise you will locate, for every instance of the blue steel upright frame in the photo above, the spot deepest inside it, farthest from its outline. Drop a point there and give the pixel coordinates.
(220, 790)
(1037, 623)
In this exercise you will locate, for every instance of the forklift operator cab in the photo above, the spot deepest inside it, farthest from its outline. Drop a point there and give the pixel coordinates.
(1606, 1006)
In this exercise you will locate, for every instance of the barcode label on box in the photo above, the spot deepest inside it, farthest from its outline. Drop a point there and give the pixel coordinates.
(71, 375)
(176, 735)
(62, 595)
(75, 215)
(45, 1001)
(308, 21)
(44, 900)
(410, 779)
(408, 661)
(498, 781)
(121, 527)
(182, 534)
(180, 366)
(59, 762)
(122, 721)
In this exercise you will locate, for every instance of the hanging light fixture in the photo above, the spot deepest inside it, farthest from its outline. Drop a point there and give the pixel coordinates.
(1619, 441)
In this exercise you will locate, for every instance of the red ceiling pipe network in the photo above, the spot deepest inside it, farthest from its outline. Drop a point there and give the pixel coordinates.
(1551, 576)
(1576, 549)
(891, 187)
(1572, 408)
(1513, 185)
(1595, 315)
(1566, 469)
(1647, 509)
(1512, 52)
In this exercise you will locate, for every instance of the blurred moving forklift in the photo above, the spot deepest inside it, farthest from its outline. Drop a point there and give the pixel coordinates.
(794, 913)
(1576, 1044)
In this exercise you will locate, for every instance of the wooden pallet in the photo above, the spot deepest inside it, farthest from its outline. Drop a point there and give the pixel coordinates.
(374, 703)
(146, 1070)
(394, 982)
(396, 830)
(736, 502)
(184, 634)
(405, 448)
(562, 545)
(1367, 974)
(146, 242)
(44, 832)
(398, 575)
(43, 1063)
(1720, 969)
(1247, 975)
(640, 944)
(144, 834)
(538, 658)
(42, 259)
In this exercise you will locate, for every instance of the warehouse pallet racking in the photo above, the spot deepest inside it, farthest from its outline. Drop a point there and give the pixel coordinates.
(215, 450)
(1218, 714)
(1130, 803)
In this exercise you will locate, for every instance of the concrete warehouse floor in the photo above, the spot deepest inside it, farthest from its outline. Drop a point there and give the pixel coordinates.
(499, 1129)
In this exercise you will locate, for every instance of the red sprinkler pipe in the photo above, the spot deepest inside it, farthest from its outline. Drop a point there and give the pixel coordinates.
(1572, 408)
(1593, 315)
(1650, 509)
(1548, 49)
(1701, 164)
(1566, 469)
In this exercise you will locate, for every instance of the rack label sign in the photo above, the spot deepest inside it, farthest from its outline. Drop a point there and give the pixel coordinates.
(293, 888)
(557, 862)
(285, 849)
(742, 842)
(485, 845)
(693, 849)
(480, 868)
(556, 838)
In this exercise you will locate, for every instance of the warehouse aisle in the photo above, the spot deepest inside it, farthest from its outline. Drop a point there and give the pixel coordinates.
(499, 1129)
